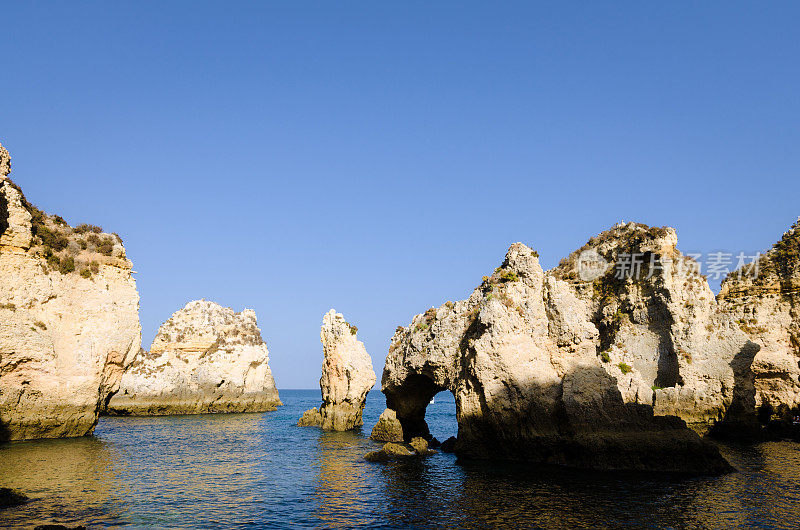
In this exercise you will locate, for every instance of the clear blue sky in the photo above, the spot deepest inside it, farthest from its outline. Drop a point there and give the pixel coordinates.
(380, 157)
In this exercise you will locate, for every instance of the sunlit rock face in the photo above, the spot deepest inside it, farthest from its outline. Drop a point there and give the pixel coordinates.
(205, 358)
(763, 299)
(582, 366)
(69, 319)
(347, 377)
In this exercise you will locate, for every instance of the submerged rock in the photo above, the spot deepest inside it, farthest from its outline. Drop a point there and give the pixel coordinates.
(9, 498)
(568, 366)
(205, 358)
(395, 451)
(69, 319)
(347, 377)
(388, 428)
(310, 418)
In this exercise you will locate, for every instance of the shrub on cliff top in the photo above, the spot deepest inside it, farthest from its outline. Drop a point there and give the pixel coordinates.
(67, 265)
(84, 228)
(50, 239)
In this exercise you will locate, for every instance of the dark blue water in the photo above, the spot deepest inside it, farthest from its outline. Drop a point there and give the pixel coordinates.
(260, 470)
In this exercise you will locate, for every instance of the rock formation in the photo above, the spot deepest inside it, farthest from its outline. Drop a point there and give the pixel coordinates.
(5, 163)
(205, 358)
(569, 366)
(347, 377)
(69, 319)
(388, 428)
(393, 451)
(763, 299)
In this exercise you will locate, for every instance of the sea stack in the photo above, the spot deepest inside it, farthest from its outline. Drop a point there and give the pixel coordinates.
(205, 358)
(69, 319)
(347, 377)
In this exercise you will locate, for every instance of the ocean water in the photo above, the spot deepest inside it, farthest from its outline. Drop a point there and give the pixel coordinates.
(261, 470)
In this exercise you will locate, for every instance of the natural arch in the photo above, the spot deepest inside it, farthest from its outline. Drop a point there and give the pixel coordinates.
(410, 401)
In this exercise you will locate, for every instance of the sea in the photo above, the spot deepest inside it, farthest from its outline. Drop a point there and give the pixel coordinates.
(263, 471)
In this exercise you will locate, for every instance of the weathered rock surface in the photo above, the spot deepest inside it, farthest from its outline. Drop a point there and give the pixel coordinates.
(763, 299)
(69, 320)
(394, 451)
(310, 418)
(5, 162)
(388, 428)
(347, 377)
(659, 328)
(567, 366)
(205, 358)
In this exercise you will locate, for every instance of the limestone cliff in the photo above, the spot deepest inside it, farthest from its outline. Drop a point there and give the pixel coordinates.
(763, 299)
(69, 319)
(347, 377)
(205, 358)
(568, 366)
(660, 332)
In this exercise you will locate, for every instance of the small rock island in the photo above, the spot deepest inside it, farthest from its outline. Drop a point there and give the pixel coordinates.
(205, 358)
(347, 377)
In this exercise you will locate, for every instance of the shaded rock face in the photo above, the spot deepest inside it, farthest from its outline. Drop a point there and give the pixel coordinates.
(9, 498)
(568, 367)
(205, 358)
(347, 377)
(66, 334)
(763, 300)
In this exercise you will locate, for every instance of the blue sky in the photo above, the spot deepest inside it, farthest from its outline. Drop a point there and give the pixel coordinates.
(380, 157)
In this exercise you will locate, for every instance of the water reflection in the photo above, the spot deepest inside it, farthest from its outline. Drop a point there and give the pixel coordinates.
(69, 481)
(261, 470)
(341, 481)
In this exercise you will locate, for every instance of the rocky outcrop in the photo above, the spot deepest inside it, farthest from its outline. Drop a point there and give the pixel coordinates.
(205, 358)
(658, 327)
(763, 300)
(347, 377)
(69, 320)
(9, 497)
(398, 451)
(569, 366)
(388, 428)
(5, 162)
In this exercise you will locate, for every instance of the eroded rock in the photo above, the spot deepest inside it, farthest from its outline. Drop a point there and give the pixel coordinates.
(10, 498)
(400, 451)
(5, 162)
(205, 358)
(69, 320)
(388, 428)
(567, 367)
(763, 300)
(347, 377)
